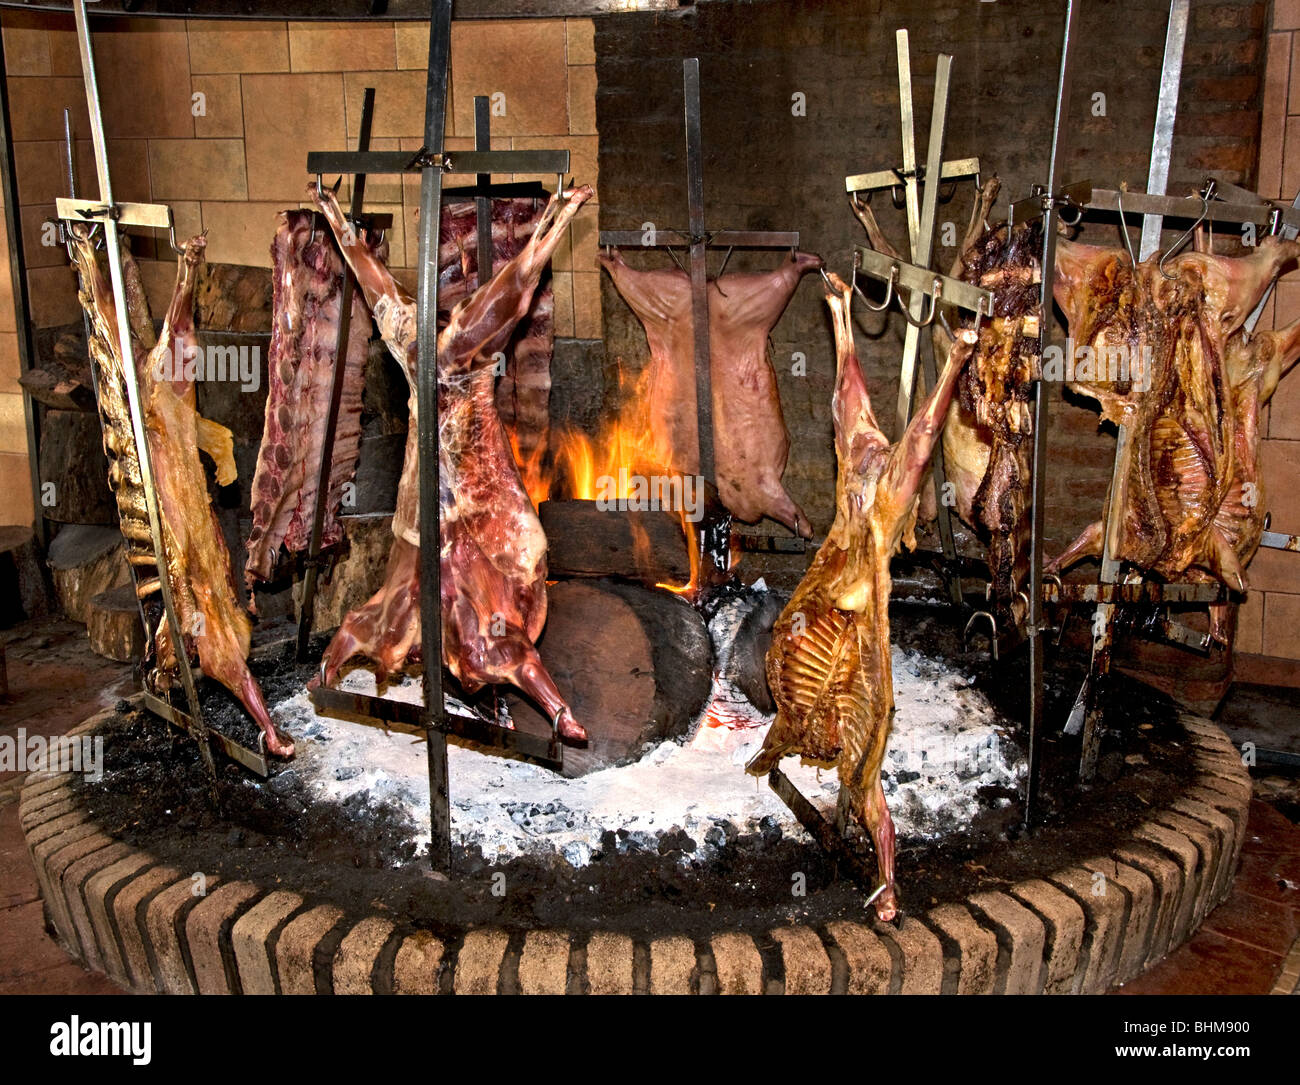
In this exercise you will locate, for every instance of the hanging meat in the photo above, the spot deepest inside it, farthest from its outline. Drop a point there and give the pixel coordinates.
(751, 443)
(1255, 364)
(213, 624)
(994, 404)
(493, 556)
(523, 392)
(307, 300)
(1154, 351)
(829, 663)
(987, 436)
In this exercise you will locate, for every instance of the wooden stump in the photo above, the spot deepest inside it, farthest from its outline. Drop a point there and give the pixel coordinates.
(72, 459)
(355, 578)
(114, 626)
(25, 588)
(86, 560)
(586, 541)
(635, 665)
(747, 660)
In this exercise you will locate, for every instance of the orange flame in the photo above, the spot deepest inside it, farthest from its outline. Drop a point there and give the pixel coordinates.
(570, 464)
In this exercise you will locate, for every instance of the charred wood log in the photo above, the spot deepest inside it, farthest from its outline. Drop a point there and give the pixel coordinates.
(585, 541)
(634, 663)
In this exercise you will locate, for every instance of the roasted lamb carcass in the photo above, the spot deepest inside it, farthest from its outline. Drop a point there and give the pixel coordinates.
(213, 624)
(493, 556)
(750, 440)
(829, 664)
(987, 436)
(1157, 360)
(307, 298)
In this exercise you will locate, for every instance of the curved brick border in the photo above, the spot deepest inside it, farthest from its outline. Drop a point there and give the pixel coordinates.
(1098, 922)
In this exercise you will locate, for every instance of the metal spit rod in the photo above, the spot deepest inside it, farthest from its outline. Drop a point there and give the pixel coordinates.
(308, 609)
(427, 443)
(198, 728)
(1103, 625)
(1040, 419)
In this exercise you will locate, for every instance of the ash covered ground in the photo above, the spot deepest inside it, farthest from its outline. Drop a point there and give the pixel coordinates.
(950, 757)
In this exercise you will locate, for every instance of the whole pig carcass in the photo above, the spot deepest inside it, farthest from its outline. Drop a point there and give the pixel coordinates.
(307, 299)
(1158, 362)
(198, 572)
(523, 392)
(751, 442)
(829, 663)
(493, 556)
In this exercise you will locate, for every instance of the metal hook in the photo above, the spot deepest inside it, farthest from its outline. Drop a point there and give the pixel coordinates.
(1206, 194)
(993, 634)
(826, 279)
(1078, 213)
(934, 306)
(1123, 228)
(896, 195)
(889, 290)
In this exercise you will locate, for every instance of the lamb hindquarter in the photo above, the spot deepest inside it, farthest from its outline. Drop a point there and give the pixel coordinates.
(493, 555)
(307, 295)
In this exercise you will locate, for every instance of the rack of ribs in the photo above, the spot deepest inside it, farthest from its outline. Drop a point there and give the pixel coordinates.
(197, 563)
(829, 663)
(307, 298)
(751, 443)
(1161, 356)
(493, 554)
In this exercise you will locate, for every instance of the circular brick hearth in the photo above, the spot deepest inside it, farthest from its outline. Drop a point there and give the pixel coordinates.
(153, 927)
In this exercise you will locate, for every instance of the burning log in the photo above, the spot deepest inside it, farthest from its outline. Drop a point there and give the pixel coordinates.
(635, 664)
(585, 540)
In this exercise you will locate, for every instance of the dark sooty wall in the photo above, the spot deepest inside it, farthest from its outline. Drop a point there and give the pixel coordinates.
(766, 168)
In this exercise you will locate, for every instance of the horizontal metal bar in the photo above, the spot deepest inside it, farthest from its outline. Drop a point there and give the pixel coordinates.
(717, 239)
(311, 10)
(1141, 203)
(156, 215)
(532, 748)
(1075, 195)
(862, 182)
(506, 191)
(1276, 541)
(821, 830)
(1144, 592)
(955, 292)
(254, 760)
(373, 162)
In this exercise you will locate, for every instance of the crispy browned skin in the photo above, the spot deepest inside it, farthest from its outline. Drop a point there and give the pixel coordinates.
(829, 665)
(1179, 483)
(493, 557)
(213, 623)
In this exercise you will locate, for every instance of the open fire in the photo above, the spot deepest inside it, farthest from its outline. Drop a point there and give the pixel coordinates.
(627, 467)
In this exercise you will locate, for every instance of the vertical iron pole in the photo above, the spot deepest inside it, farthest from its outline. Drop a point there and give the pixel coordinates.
(699, 267)
(483, 182)
(1039, 471)
(1103, 625)
(435, 106)
(307, 610)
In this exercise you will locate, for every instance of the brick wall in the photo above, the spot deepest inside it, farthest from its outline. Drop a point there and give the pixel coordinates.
(1269, 623)
(271, 92)
(768, 168)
